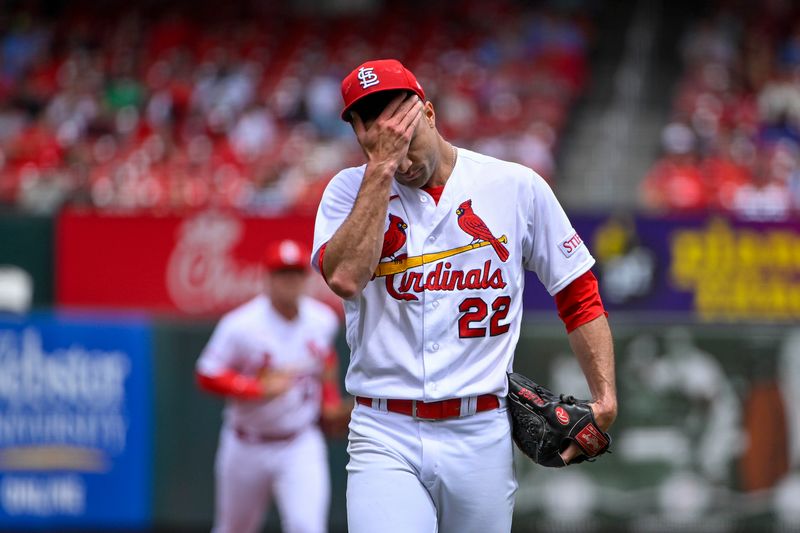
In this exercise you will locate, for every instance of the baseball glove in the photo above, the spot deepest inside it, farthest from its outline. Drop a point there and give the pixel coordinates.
(544, 424)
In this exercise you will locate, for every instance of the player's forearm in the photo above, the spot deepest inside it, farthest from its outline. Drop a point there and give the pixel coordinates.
(594, 348)
(354, 250)
(231, 384)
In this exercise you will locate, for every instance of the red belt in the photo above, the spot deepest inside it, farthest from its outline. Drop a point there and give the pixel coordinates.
(259, 438)
(434, 410)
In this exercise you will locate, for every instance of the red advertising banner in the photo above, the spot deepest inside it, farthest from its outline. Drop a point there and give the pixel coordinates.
(200, 264)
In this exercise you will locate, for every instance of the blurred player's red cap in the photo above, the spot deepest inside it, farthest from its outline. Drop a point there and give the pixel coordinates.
(286, 254)
(376, 76)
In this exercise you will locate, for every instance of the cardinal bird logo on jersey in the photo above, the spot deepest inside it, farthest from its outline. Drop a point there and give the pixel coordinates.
(476, 228)
(406, 278)
(394, 238)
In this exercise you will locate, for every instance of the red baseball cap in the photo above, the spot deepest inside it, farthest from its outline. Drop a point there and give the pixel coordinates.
(376, 76)
(286, 254)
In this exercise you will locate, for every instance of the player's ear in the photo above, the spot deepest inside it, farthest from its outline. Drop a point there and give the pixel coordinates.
(430, 114)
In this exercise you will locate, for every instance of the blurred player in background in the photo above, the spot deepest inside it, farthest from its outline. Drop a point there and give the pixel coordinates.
(273, 358)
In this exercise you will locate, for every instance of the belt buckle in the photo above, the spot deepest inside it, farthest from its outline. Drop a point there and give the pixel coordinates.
(414, 413)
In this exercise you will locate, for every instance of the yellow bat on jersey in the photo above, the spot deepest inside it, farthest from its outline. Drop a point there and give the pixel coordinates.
(388, 268)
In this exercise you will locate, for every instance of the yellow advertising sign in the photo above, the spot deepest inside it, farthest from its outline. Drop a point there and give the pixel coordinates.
(738, 273)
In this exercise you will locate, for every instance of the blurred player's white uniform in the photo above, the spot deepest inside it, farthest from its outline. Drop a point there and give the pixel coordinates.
(271, 448)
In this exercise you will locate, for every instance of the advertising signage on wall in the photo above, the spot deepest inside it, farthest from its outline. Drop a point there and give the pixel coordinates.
(75, 423)
(711, 268)
(201, 264)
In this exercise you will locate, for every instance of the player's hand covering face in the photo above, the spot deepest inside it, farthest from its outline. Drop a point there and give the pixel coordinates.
(386, 140)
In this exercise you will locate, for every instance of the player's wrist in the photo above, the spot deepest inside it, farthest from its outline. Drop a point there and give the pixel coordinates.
(274, 383)
(605, 412)
(269, 391)
(381, 168)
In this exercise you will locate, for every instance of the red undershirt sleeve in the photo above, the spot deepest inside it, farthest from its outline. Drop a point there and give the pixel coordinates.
(233, 384)
(331, 393)
(579, 302)
(319, 261)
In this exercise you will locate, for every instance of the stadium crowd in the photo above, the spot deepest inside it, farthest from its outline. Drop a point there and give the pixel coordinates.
(203, 104)
(733, 144)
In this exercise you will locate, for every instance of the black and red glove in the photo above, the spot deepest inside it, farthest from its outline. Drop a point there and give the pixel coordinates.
(544, 423)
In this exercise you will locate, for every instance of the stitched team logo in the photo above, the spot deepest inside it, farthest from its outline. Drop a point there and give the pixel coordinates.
(367, 78)
(476, 228)
(562, 416)
(289, 252)
(394, 238)
(443, 277)
(316, 351)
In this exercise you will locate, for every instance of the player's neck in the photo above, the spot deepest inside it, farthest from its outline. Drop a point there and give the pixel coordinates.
(287, 310)
(447, 162)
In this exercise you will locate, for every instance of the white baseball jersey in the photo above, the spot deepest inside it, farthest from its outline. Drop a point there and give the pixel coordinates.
(253, 338)
(445, 323)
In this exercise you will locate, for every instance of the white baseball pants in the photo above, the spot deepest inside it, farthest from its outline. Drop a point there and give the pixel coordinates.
(249, 475)
(447, 476)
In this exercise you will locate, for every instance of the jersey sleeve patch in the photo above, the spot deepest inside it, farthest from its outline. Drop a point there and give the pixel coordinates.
(570, 244)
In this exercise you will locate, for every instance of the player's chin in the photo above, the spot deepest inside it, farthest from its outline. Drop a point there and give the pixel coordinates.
(417, 179)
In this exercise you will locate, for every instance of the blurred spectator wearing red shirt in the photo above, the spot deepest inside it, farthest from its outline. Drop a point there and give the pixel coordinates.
(675, 182)
(203, 104)
(766, 197)
(727, 168)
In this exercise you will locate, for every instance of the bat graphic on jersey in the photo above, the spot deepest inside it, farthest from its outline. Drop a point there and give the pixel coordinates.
(398, 266)
(476, 228)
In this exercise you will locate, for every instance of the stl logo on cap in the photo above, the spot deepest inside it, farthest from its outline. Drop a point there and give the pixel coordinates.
(375, 76)
(367, 77)
(289, 253)
(286, 254)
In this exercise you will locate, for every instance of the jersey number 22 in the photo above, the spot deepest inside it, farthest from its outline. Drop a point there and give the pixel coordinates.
(476, 310)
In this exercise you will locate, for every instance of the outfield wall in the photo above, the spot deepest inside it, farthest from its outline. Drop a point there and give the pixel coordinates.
(706, 429)
(707, 338)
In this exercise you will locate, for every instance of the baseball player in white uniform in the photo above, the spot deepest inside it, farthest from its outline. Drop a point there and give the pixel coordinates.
(273, 358)
(427, 245)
